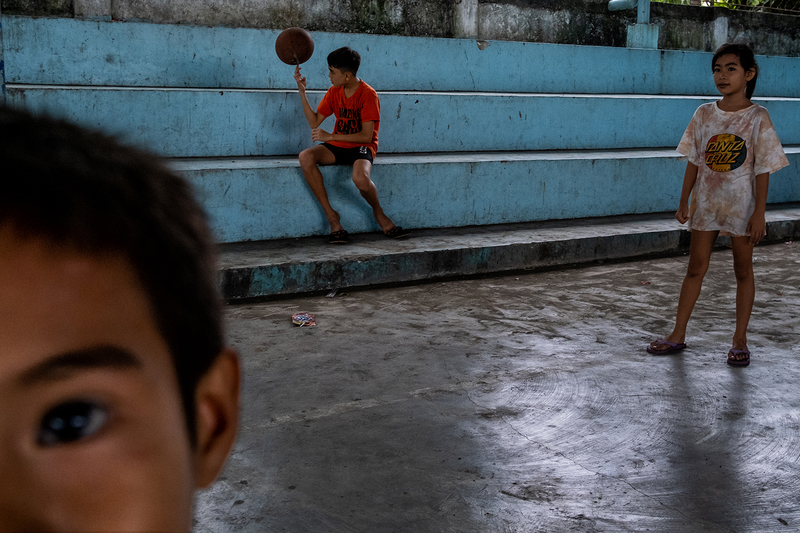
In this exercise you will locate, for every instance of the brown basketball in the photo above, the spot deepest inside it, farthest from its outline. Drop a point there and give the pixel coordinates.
(294, 46)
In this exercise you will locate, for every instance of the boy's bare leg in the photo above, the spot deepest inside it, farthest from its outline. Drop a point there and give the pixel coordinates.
(361, 172)
(309, 161)
(699, 257)
(745, 288)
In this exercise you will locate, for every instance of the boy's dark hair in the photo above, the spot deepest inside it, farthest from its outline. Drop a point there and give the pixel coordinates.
(345, 59)
(85, 191)
(747, 59)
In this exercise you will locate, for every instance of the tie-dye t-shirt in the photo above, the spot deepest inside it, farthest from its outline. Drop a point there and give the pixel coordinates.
(730, 148)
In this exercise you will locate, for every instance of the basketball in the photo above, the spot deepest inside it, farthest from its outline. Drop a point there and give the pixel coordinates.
(294, 46)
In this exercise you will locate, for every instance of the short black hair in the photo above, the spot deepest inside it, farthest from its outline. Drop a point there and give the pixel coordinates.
(747, 59)
(86, 191)
(345, 59)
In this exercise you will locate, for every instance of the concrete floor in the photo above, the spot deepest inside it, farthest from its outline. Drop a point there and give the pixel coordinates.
(518, 404)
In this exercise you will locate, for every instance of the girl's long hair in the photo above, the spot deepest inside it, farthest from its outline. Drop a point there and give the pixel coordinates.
(746, 58)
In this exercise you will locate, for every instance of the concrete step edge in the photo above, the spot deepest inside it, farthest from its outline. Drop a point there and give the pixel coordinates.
(298, 266)
(283, 161)
(293, 90)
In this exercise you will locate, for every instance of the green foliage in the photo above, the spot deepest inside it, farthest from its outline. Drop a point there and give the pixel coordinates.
(779, 7)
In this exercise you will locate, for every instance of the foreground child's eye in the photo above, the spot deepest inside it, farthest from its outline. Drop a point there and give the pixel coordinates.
(71, 421)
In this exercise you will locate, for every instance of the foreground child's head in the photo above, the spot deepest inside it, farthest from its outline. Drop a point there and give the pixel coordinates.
(746, 60)
(118, 397)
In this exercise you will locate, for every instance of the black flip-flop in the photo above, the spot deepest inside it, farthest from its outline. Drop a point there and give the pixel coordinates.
(738, 362)
(397, 233)
(338, 237)
(672, 347)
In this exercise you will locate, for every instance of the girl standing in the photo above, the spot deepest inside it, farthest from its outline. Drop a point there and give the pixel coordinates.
(731, 148)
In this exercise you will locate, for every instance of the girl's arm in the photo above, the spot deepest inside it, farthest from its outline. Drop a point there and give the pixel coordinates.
(757, 227)
(689, 178)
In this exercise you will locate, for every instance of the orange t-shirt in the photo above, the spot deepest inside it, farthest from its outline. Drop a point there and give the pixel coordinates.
(363, 106)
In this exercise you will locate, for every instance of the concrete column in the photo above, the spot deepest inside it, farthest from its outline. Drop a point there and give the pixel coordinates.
(643, 36)
(720, 35)
(93, 9)
(465, 23)
(2, 61)
(643, 12)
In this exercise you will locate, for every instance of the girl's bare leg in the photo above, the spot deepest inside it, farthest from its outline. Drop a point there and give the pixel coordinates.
(699, 256)
(745, 288)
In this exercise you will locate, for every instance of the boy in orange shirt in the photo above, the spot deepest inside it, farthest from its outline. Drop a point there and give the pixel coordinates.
(354, 140)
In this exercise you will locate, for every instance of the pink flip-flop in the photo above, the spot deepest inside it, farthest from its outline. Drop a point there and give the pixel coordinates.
(738, 362)
(672, 347)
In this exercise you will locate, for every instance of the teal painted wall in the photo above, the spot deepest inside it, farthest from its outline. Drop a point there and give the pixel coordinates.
(509, 129)
(75, 52)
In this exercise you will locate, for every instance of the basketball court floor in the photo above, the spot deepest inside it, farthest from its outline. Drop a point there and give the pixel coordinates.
(518, 404)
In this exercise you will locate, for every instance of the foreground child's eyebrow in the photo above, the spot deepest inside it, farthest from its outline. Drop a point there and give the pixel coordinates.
(96, 357)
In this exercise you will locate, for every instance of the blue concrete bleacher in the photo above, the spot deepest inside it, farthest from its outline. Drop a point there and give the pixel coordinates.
(516, 132)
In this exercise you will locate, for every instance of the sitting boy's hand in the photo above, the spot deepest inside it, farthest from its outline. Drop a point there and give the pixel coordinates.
(300, 79)
(320, 135)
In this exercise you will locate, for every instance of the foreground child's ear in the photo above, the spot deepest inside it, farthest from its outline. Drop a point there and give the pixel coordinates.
(217, 408)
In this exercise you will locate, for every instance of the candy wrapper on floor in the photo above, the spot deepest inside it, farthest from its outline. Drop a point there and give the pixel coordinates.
(303, 319)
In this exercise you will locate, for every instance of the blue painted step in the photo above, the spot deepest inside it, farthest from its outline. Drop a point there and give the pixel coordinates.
(267, 198)
(234, 123)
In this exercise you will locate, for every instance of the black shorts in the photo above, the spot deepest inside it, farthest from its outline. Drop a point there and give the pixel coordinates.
(348, 156)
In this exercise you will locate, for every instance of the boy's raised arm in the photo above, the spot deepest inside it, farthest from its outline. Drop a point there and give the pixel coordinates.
(314, 119)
